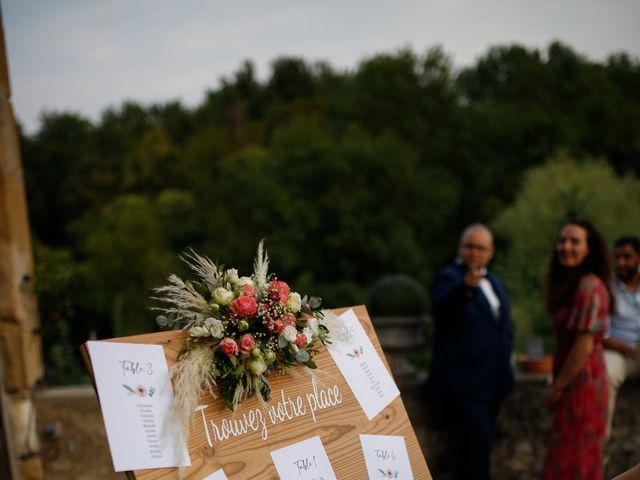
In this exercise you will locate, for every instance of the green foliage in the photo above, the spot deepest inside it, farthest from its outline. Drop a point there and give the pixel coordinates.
(60, 316)
(56, 162)
(180, 219)
(397, 294)
(348, 175)
(126, 254)
(561, 189)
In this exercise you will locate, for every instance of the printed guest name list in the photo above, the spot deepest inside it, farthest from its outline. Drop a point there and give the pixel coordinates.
(362, 367)
(135, 394)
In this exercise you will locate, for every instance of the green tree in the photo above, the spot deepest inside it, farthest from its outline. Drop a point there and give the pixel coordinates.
(125, 255)
(154, 164)
(348, 174)
(62, 320)
(370, 205)
(561, 189)
(57, 161)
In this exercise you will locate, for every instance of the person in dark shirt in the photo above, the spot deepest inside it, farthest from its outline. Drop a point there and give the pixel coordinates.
(471, 370)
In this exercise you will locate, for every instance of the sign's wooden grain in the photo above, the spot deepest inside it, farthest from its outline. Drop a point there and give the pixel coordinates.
(247, 456)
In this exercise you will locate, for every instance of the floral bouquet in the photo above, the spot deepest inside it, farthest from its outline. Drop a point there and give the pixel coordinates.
(239, 330)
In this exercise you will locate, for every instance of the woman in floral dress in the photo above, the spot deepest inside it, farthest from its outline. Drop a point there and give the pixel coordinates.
(577, 296)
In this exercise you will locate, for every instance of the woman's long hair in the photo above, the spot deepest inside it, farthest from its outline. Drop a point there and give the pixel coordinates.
(561, 282)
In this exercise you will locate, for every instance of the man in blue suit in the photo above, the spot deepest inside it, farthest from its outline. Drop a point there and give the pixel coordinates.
(471, 363)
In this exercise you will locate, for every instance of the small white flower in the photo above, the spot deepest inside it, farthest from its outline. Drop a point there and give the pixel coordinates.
(222, 296)
(215, 327)
(232, 275)
(295, 302)
(198, 332)
(290, 333)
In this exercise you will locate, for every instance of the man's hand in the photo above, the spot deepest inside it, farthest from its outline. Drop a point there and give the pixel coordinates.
(473, 276)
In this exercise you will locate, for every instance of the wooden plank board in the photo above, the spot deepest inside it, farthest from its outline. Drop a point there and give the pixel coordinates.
(247, 456)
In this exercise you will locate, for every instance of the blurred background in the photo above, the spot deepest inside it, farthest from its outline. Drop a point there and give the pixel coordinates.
(357, 139)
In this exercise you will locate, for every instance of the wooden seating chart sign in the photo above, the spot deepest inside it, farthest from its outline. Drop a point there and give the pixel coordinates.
(242, 443)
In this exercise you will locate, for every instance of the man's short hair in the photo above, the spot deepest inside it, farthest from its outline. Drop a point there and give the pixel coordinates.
(630, 240)
(473, 227)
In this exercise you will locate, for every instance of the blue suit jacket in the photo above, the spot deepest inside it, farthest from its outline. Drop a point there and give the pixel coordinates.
(472, 348)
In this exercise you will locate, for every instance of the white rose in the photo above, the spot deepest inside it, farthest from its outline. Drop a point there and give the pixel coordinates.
(257, 365)
(222, 296)
(245, 281)
(290, 333)
(215, 327)
(232, 275)
(198, 332)
(295, 302)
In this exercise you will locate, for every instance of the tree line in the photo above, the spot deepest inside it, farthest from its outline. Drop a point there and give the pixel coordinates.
(349, 176)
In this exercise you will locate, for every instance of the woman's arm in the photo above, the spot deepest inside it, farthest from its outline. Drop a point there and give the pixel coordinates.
(613, 343)
(631, 474)
(582, 347)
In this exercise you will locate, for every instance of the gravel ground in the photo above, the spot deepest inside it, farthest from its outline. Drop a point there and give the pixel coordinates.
(73, 440)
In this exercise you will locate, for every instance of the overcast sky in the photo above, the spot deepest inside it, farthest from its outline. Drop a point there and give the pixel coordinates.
(87, 55)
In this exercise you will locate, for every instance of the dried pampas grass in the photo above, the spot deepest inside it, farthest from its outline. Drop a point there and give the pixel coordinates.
(337, 330)
(261, 266)
(191, 377)
(188, 304)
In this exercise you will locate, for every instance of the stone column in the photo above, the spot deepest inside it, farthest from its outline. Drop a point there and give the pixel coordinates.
(400, 336)
(19, 322)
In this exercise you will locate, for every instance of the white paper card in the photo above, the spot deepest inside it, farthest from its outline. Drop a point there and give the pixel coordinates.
(219, 475)
(306, 460)
(135, 395)
(386, 457)
(362, 367)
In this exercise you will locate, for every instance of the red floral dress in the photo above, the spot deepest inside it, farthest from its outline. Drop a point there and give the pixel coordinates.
(577, 435)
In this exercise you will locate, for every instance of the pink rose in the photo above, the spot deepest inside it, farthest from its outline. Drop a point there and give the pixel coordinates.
(301, 340)
(248, 290)
(278, 326)
(244, 306)
(247, 343)
(289, 319)
(282, 288)
(229, 346)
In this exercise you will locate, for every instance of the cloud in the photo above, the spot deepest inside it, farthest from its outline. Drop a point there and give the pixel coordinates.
(85, 56)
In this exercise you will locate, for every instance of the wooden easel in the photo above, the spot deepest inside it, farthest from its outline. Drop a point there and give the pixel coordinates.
(247, 457)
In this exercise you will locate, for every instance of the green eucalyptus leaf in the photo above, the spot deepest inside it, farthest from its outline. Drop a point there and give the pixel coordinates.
(315, 302)
(302, 356)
